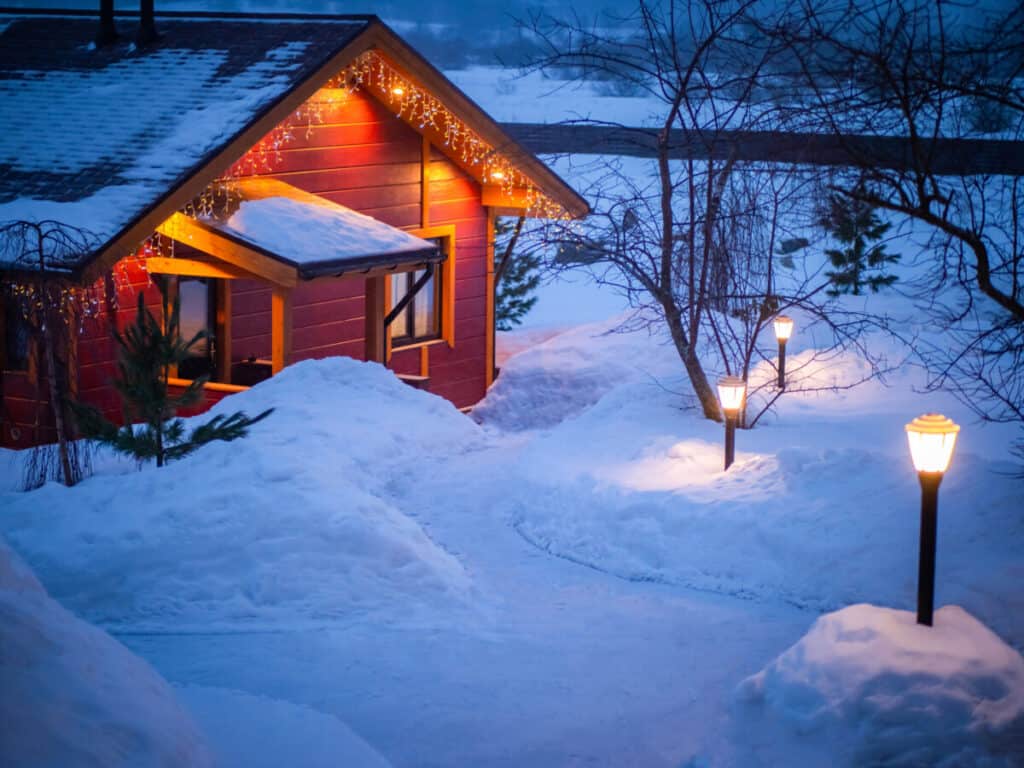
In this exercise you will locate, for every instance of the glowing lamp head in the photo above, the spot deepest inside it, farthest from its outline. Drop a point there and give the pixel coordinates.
(932, 438)
(398, 91)
(497, 175)
(783, 327)
(731, 391)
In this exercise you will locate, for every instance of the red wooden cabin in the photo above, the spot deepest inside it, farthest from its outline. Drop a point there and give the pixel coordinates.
(310, 186)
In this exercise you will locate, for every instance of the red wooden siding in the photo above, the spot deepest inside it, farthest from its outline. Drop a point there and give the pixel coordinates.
(363, 157)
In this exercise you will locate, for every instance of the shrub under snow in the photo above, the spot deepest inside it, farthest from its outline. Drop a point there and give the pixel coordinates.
(870, 686)
(74, 696)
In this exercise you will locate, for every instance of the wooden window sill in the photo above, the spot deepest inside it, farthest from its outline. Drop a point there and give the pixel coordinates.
(213, 386)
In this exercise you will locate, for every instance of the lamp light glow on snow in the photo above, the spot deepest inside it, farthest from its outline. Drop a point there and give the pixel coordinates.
(783, 328)
(731, 390)
(932, 438)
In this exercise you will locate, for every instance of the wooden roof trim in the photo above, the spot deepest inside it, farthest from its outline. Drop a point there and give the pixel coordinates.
(195, 233)
(376, 35)
(190, 187)
(424, 74)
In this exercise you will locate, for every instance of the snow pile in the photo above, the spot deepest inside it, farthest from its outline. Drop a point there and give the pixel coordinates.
(72, 695)
(309, 233)
(560, 378)
(871, 685)
(297, 524)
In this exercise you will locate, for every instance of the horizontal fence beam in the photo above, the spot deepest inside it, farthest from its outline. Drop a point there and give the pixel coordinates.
(945, 157)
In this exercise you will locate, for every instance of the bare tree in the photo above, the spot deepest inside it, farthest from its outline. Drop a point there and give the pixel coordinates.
(37, 257)
(929, 72)
(695, 239)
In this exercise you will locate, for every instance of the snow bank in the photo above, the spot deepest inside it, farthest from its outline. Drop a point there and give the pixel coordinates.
(72, 695)
(561, 377)
(625, 479)
(260, 732)
(297, 524)
(871, 687)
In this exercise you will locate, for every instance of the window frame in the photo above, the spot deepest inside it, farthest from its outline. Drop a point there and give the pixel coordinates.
(409, 312)
(444, 277)
(219, 320)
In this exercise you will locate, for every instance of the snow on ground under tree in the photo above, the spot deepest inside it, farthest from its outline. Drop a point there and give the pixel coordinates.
(74, 696)
(820, 509)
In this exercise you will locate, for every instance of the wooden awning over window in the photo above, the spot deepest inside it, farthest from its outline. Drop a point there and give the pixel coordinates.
(283, 234)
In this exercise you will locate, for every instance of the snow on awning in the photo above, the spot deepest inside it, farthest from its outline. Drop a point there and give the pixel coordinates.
(316, 236)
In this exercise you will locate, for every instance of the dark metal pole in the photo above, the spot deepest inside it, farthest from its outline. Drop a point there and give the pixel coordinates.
(782, 363)
(730, 438)
(926, 561)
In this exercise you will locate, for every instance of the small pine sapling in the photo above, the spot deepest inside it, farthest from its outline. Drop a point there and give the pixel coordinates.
(147, 350)
(516, 278)
(862, 262)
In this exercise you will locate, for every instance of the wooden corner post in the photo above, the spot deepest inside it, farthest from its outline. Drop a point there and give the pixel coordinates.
(375, 344)
(490, 344)
(280, 328)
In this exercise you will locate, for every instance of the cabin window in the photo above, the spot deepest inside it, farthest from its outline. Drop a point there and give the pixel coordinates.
(421, 319)
(16, 338)
(198, 301)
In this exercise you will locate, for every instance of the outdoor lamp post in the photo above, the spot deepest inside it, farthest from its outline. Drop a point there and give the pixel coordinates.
(783, 330)
(731, 390)
(932, 438)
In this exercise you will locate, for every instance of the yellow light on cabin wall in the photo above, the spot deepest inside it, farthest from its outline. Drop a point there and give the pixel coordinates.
(932, 438)
(783, 327)
(731, 391)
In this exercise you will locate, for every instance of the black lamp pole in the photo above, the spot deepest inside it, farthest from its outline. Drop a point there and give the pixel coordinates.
(926, 562)
(730, 437)
(782, 363)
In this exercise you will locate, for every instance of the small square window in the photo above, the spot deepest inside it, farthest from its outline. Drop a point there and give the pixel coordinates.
(420, 320)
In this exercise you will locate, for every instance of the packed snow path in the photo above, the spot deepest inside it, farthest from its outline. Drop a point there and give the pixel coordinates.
(563, 665)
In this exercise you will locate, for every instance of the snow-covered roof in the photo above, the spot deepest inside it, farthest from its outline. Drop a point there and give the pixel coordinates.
(97, 137)
(316, 236)
(115, 140)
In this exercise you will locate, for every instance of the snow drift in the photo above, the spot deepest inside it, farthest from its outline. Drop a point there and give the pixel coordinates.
(869, 686)
(299, 523)
(820, 509)
(74, 696)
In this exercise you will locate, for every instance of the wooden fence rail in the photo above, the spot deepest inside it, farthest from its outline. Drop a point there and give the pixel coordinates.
(948, 157)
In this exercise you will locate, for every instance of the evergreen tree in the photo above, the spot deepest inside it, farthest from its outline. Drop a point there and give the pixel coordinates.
(516, 277)
(146, 351)
(862, 261)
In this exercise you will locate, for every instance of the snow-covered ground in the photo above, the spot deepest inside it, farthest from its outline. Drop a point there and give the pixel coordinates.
(572, 581)
(567, 578)
(71, 695)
